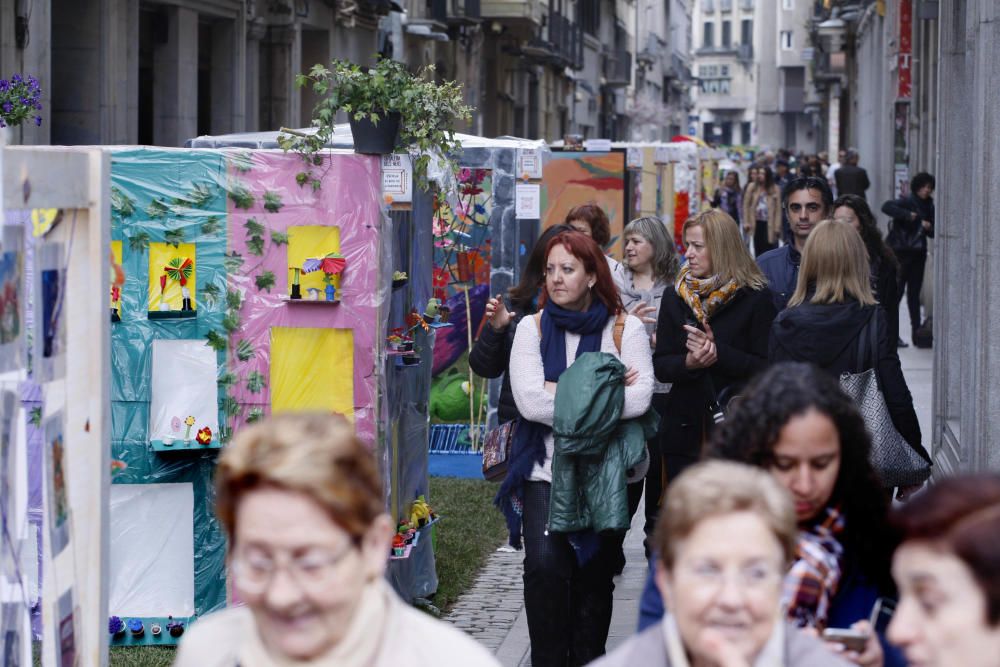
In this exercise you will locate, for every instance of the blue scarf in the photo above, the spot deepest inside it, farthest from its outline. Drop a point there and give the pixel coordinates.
(528, 447)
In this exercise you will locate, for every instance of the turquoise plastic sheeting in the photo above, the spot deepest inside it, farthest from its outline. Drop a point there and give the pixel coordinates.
(168, 196)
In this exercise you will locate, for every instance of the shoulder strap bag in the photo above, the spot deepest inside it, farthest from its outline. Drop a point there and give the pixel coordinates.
(894, 460)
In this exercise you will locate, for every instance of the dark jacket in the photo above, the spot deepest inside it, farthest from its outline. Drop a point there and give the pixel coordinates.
(490, 358)
(741, 328)
(851, 180)
(886, 287)
(907, 235)
(781, 268)
(827, 336)
(593, 447)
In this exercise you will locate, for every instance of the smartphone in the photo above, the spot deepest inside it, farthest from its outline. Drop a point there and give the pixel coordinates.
(882, 613)
(852, 640)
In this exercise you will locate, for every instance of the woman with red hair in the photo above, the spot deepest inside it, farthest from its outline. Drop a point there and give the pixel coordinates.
(567, 583)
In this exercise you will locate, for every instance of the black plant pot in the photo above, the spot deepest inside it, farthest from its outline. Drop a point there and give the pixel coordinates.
(371, 139)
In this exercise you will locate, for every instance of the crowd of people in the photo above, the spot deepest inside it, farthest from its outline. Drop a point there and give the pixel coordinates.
(708, 381)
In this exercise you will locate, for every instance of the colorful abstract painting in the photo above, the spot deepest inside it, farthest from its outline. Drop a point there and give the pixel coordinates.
(462, 234)
(572, 179)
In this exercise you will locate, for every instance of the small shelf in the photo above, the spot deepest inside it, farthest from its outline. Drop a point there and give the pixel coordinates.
(184, 446)
(312, 302)
(416, 540)
(148, 638)
(400, 353)
(171, 314)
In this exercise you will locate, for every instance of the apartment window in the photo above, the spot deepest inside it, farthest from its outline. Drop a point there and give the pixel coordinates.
(746, 4)
(590, 16)
(788, 4)
(727, 33)
(708, 131)
(746, 32)
(724, 70)
(726, 5)
(708, 6)
(708, 71)
(723, 86)
(745, 132)
(708, 38)
(786, 40)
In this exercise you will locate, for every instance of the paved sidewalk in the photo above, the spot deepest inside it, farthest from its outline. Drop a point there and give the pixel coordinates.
(492, 611)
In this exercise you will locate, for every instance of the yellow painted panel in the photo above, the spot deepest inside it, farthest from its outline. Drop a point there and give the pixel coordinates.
(312, 369)
(160, 255)
(312, 241)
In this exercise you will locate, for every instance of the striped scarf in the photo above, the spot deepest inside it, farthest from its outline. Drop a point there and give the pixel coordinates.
(814, 577)
(703, 296)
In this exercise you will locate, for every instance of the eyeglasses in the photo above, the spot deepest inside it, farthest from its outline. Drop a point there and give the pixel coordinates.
(255, 568)
(751, 578)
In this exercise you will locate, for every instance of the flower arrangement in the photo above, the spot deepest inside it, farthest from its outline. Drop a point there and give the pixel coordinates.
(19, 100)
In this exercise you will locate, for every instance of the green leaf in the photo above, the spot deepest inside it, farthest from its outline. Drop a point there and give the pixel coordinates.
(199, 195)
(265, 281)
(233, 262)
(156, 210)
(174, 237)
(242, 161)
(36, 416)
(231, 322)
(279, 238)
(255, 246)
(272, 201)
(302, 178)
(256, 382)
(244, 350)
(255, 414)
(253, 227)
(211, 226)
(234, 299)
(228, 379)
(241, 196)
(216, 341)
(138, 242)
(210, 294)
(230, 407)
(121, 204)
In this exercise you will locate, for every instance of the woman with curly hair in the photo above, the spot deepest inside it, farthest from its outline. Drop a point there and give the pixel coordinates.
(854, 210)
(794, 421)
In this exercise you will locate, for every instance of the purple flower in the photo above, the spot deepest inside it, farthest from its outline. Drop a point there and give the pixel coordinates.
(38, 120)
(16, 78)
(7, 107)
(4, 85)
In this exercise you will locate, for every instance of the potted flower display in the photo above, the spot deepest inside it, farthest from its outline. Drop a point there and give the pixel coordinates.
(330, 264)
(19, 101)
(388, 108)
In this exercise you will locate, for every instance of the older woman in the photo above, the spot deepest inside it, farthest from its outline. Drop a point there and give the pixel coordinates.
(948, 572)
(302, 502)
(568, 578)
(711, 337)
(724, 547)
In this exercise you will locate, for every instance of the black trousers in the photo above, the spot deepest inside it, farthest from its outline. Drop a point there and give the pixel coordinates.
(911, 279)
(568, 605)
(760, 240)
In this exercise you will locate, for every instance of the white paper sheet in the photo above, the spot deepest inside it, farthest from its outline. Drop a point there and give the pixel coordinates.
(185, 384)
(152, 550)
(528, 201)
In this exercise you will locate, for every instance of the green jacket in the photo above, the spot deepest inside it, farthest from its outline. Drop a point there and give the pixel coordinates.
(593, 447)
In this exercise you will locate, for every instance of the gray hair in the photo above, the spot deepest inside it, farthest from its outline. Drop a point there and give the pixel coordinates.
(665, 259)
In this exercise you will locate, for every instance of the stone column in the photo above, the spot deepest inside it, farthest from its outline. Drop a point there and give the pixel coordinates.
(255, 32)
(175, 83)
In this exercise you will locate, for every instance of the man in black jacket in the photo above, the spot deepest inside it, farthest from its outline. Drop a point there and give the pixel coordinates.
(852, 179)
(806, 200)
(912, 224)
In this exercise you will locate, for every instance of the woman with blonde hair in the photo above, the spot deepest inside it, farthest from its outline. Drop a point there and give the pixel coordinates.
(303, 506)
(711, 334)
(828, 320)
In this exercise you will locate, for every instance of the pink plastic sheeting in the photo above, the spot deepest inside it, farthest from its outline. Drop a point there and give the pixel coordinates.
(350, 198)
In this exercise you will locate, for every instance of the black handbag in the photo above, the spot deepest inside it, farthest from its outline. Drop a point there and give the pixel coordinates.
(892, 457)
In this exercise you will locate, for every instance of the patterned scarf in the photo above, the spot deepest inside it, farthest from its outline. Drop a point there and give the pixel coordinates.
(703, 296)
(814, 577)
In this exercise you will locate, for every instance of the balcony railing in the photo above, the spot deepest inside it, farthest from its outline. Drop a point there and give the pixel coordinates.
(745, 52)
(617, 68)
(566, 38)
(464, 11)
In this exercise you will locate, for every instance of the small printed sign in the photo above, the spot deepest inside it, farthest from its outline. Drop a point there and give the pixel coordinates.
(529, 163)
(597, 145)
(663, 155)
(397, 177)
(633, 158)
(528, 201)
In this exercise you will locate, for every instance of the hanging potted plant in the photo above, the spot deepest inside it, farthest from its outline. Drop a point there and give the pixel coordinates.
(19, 102)
(387, 106)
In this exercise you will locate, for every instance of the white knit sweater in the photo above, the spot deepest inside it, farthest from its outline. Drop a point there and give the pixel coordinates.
(527, 376)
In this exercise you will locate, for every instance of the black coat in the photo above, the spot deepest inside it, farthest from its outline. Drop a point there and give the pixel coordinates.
(490, 358)
(827, 335)
(907, 235)
(886, 287)
(741, 328)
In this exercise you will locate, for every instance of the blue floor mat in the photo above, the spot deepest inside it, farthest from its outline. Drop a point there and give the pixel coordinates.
(469, 466)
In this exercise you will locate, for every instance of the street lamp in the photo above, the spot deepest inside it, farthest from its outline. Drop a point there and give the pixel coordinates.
(832, 32)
